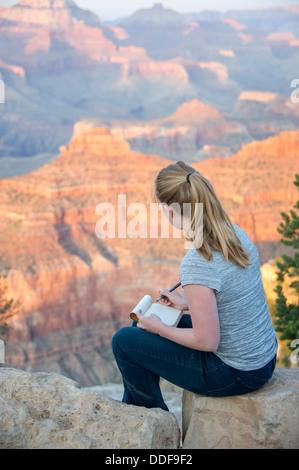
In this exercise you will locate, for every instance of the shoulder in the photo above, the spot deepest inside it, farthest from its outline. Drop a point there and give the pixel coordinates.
(243, 237)
(247, 243)
(193, 257)
(195, 269)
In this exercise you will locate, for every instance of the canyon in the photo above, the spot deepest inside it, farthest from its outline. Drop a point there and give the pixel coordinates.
(75, 289)
(95, 110)
(233, 69)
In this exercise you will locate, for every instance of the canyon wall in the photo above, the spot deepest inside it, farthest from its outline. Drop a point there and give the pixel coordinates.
(76, 289)
(215, 85)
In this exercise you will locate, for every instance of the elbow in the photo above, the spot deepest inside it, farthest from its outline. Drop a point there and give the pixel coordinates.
(207, 339)
(214, 340)
(215, 344)
(213, 347)
(208, 344)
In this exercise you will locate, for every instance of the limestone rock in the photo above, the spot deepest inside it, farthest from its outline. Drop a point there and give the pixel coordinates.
(76, 290)
(49, 411)
(264, 419)
(194, 113)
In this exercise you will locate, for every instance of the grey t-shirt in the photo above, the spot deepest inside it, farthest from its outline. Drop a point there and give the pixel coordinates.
(247, 337)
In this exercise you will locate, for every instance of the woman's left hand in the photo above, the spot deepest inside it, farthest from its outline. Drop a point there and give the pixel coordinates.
(151, 323)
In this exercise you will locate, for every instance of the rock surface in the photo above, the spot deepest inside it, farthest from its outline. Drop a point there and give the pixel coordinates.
(172, 395)
(76, 289)
(264, 419)
(240, 72)
(49, 411)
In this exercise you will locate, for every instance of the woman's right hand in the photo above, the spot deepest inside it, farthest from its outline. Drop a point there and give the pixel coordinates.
(173, 299)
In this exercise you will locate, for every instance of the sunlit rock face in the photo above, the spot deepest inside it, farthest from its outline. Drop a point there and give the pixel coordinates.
(61, 64)
(76, 289)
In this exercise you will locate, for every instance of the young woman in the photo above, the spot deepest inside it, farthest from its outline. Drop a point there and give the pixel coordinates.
(226, 344)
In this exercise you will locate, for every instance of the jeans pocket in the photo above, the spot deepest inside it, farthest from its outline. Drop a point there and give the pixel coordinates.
(239, 382)
(253, 383)
(237, 387)
(257, 378)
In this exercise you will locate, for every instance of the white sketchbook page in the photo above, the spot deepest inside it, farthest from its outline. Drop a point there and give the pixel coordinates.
(169, 315)
(143, 305)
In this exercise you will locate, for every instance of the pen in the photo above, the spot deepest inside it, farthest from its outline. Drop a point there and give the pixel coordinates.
(170, 290)
(134, 316)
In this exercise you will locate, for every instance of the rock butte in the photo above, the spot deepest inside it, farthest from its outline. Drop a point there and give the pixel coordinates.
(75, 289)
(53, 78)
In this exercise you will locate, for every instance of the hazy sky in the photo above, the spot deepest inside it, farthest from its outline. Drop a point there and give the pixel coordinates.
(113, 9)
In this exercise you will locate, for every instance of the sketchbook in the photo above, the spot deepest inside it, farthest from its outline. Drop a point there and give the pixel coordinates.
(168, 315)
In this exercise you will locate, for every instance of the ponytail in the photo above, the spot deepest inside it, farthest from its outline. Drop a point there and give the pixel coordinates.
(180, 183)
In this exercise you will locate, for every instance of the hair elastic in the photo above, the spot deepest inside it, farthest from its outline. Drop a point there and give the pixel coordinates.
(188, 177)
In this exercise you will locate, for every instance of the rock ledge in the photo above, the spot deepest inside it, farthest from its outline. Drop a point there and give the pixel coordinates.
(49, 411)
(264, 419)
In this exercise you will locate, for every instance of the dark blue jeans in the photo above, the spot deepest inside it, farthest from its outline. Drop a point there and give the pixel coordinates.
(144, 357)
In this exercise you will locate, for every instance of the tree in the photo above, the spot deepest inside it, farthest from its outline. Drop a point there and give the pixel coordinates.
(8, 307)
(287, 315)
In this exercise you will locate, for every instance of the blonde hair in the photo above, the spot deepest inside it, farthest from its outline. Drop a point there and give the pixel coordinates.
(172, 186)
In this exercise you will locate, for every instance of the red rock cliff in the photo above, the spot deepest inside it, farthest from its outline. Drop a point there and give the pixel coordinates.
(76, 289)
(256, 184)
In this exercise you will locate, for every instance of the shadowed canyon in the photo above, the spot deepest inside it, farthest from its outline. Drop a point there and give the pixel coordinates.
(77, 289)
(93, 111)
(182, 86)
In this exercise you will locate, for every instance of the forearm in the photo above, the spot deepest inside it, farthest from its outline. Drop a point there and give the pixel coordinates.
(187, 337)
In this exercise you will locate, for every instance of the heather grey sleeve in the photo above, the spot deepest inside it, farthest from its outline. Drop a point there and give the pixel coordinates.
(194, 269)
(247, 337)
